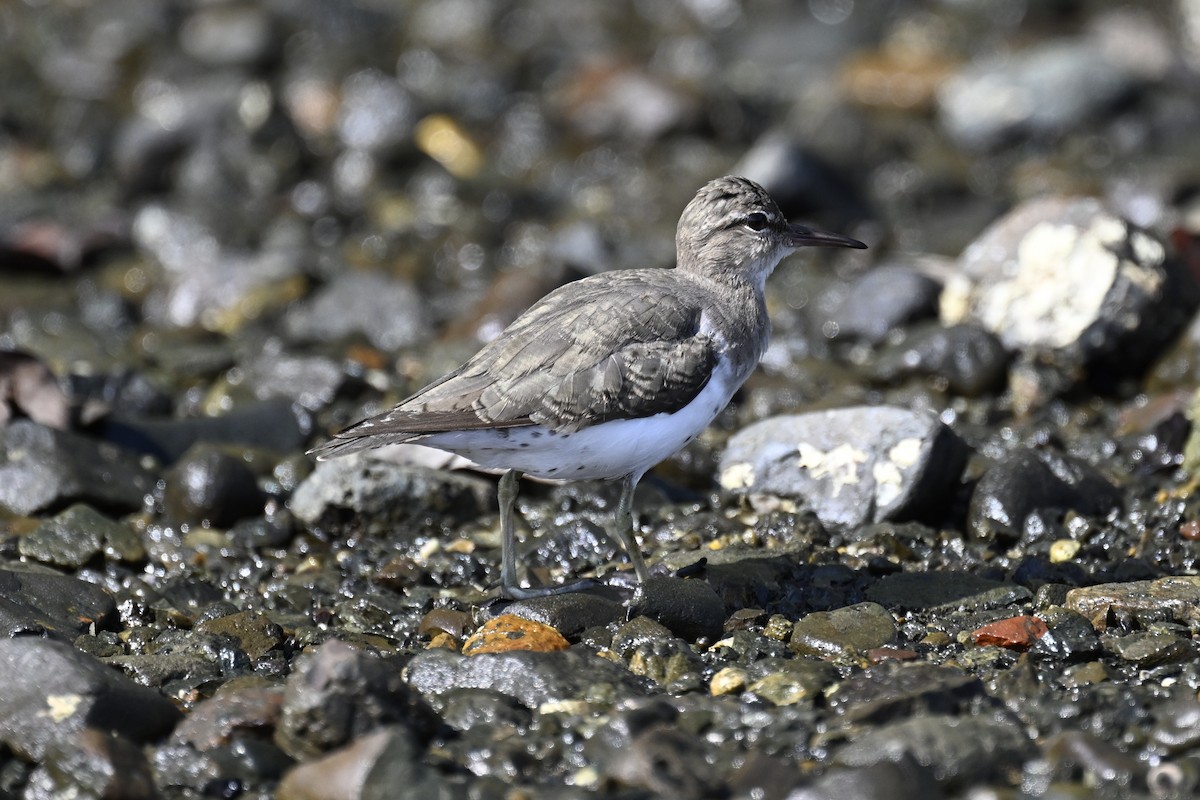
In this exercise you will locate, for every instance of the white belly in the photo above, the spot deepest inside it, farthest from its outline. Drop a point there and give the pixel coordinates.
(608, 450)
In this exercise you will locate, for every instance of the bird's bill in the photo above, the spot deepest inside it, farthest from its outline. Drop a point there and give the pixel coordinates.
(801, 236)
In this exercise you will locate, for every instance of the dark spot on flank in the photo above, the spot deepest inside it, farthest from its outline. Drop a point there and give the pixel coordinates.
(579, 468)
(523, 444)
(536, 434)
(552, 470)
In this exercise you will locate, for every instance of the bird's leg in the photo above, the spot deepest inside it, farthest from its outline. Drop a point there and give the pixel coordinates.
(506, 494)
(623, 529)
(509, 587)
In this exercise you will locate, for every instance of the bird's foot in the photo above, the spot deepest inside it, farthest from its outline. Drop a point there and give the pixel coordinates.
(521, 593)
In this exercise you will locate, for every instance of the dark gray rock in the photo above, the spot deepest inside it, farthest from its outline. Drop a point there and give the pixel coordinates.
(1147, 649)
(902, 779)
(851, 465)
(1041, 482)
(275, 425)
(1070, 636)
(94, 763)
(532, 678)
(1176, 727)
(338, 693)
(645, 747)
(1046, 90)
(53, 692)
(386, 493)
(42, 468)
(945, 591)
(77, 535)
(690, 609)
(389, 312)
(896, 690)
(843, 633)
(1176, 597)
(232, 711)
(964, 359)
(210, 485)
(570, 614)
(959, 750)
(639, 631)
(883, 300)
(386, 763)
(43, 602)
(464, 709)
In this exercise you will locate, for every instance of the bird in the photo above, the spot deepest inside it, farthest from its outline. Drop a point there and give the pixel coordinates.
(607, 376)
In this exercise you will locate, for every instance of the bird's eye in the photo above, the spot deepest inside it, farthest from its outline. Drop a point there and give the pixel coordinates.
(756, 221)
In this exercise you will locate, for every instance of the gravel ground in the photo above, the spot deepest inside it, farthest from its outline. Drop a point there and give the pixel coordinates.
(944, 543)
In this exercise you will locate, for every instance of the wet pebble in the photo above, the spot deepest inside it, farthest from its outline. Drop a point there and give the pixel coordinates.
(1069, 636)
(1039, 483)
(273, 425)
(647, 747)
(901, 779)
(337, 694)
(532, 678)
(253, 632)
(41, 468)
(784, 682)
(689, 609)
(945, 591)
(53, 692)
(851, 465)
(958, 750)
(464, 709)
(96, 763)
(210, 485)
(1100, 760)
(378, 764)
(41, 603)
(79, 534)
(210, 286)
(385, 492)
(963, 359)
(571, 613)
(1177, 597)
(843, 633)
(234, 711)
(227, 35)
(311, 381)
(1149, 649)
(894, 690)
(1014, 633)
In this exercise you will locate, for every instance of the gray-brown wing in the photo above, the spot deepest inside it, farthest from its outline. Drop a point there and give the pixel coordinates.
(591, 351)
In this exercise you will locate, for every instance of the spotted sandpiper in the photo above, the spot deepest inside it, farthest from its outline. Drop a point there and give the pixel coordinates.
(605, 377)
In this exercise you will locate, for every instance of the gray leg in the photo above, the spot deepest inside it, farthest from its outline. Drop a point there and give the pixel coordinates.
(507, 496)
(509, 587)
(623, 528)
